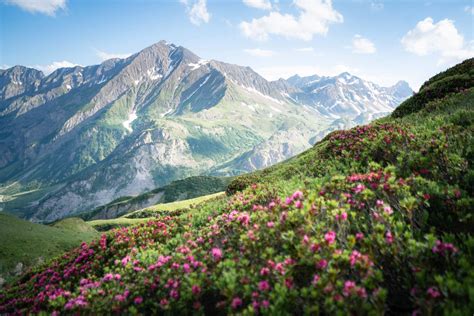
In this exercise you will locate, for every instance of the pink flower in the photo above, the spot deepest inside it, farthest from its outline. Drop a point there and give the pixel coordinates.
(433, 292)
(323, 263)
(388, 210)
(270, 224)
(236, 302)
(299, 204)
(164, 302)
(138, 300)
(120, 297)
(216, 253)
(359, 236)
(297, 195)
(244, 219)
(174, 294)
(330, 237)
(125, 260)
(315, 279)
(186, 267)
(342, 216)
(348, 287)
(355, 255)
(379, 203)
(443, 248)
(305, 239)
(264, 271)
(359, 188)
(288, 200)
(265, 304)
(196, 289)
(263, 285)
(389, 237)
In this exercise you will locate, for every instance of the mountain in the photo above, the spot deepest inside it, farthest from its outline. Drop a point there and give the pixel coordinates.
(348, 96)
(374, 220)
(84, 136)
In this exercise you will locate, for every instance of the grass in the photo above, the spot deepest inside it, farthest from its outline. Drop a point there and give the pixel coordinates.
(148, 213)
(173, 206)
(29, 243)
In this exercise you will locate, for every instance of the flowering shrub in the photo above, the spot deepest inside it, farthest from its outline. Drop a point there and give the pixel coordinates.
(372, 220)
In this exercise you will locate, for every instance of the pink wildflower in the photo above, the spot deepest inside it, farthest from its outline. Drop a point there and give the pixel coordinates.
(263, 285)
(297, 195)
(389, 237)
(348, 287)
(323, 263)
(315, 279)
(196, 289)
(330, 237)
(216, 253)
(433, 292)
(138, 300)
(299, 204)
(236, 302)
(270, 224)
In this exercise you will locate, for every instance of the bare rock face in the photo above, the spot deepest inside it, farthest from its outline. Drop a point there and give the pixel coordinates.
(84, 136)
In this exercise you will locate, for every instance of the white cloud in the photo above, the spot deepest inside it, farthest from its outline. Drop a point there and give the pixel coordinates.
(47, 69)
(376, 6)
(469, 9)
(362, 45)
(48, 7)
(4, 66)
(105, 56)
(440, 38)
(259, 4)
(197, 11)
(257, 52)
(313, 19)
(304, 49)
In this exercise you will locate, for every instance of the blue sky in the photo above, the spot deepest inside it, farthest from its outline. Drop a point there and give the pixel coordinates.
(382, 41)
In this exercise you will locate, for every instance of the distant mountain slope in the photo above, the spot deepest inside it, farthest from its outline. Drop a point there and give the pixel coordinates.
(84, 136)
(348, 96)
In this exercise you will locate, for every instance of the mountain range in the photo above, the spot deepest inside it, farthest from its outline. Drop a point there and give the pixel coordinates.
(81, 137)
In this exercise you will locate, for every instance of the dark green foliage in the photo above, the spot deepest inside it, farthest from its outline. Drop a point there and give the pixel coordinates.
(453, 80)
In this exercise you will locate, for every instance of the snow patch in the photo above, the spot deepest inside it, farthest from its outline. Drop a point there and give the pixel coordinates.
(68, 86)
(197, 65)
(253, 90)
(167, 112)
(128, 123)
(153, 74)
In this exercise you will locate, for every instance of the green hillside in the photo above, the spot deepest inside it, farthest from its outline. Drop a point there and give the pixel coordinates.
(140, 216)
(25, 244)
(374, 220)
(179, 190)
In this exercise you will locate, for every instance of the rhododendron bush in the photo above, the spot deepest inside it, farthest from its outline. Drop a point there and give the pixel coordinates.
(372, 220)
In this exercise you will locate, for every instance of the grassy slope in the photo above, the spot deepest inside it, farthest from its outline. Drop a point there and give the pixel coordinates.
(382, 223)
(148, 213)
(26, 242)
(175, 191)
